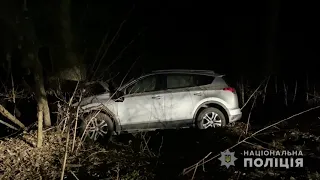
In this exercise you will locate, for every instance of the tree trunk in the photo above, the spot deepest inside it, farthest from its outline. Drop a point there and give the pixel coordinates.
(30, 47)
(68, 61)
(40, 124)
(27, 41)
(31, 57)
(43, 113)
(41, 95)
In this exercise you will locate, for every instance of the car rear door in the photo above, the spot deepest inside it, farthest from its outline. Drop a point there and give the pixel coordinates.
(203, 88)
(178, 100)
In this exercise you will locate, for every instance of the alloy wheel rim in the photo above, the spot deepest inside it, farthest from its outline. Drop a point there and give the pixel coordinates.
(211, 119)
(97, 128)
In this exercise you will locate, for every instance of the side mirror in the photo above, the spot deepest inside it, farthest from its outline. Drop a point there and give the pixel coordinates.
(120, 99)
(119, 96)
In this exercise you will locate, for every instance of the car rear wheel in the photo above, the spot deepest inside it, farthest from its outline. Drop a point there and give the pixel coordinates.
(97, 127)
(211, 118)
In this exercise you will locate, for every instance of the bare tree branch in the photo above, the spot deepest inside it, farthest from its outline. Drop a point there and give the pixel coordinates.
(8, 115)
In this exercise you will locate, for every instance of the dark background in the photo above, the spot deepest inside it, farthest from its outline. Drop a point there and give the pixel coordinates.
(226, 36)
(236, 38)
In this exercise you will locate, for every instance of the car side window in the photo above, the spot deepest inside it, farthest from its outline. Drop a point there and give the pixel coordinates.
(201, 80)
(175, 81)
(146, 84)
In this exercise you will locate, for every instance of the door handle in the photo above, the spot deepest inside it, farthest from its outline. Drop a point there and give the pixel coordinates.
(197, 94)
(156, 97)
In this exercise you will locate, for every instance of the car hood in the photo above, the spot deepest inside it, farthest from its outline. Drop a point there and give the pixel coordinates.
(102, 98)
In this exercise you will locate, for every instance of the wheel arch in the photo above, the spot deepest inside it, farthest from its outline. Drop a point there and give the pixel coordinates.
(213, 104)
(106, 111)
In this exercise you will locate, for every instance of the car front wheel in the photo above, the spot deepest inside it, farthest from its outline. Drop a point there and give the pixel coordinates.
(97, 127)
(211, 118)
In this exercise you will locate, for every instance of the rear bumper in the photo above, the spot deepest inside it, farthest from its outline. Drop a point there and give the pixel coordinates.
(234, 115)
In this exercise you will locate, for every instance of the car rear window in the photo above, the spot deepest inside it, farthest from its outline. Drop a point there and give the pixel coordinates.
(200, 80)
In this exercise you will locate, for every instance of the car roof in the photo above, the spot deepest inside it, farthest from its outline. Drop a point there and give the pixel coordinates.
(176, 71)
(187, 71)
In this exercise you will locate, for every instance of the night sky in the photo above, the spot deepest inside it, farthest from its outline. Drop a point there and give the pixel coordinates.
(232, 37)
(229, 37)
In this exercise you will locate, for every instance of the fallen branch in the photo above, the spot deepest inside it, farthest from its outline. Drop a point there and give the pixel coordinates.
(74, 175)
(204, 161)
(9, 125)
(8, 115)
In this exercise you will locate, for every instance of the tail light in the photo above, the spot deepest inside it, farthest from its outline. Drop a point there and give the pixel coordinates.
(229, 89)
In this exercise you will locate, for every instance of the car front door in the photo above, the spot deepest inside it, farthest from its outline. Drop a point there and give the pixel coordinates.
(143, 104)
(178, 100)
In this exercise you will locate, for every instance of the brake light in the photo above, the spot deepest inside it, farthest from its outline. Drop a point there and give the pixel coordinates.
(229, 89)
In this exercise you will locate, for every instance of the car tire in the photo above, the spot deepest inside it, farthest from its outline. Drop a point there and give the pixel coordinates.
(100, 128)
(211, 117)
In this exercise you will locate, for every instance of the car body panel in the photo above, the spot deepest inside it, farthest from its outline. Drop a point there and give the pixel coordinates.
(178, 106)
(139, 109)
(99, 102)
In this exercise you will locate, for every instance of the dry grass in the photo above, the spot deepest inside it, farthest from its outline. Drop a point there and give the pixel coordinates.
(58, 158)
(20, 159)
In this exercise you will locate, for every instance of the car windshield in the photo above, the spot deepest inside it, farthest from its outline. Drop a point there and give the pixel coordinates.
(94, 89)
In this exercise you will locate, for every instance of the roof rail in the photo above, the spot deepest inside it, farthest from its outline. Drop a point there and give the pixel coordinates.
(184, 70)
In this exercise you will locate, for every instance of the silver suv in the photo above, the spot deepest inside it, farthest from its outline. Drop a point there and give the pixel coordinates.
(163, 99)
